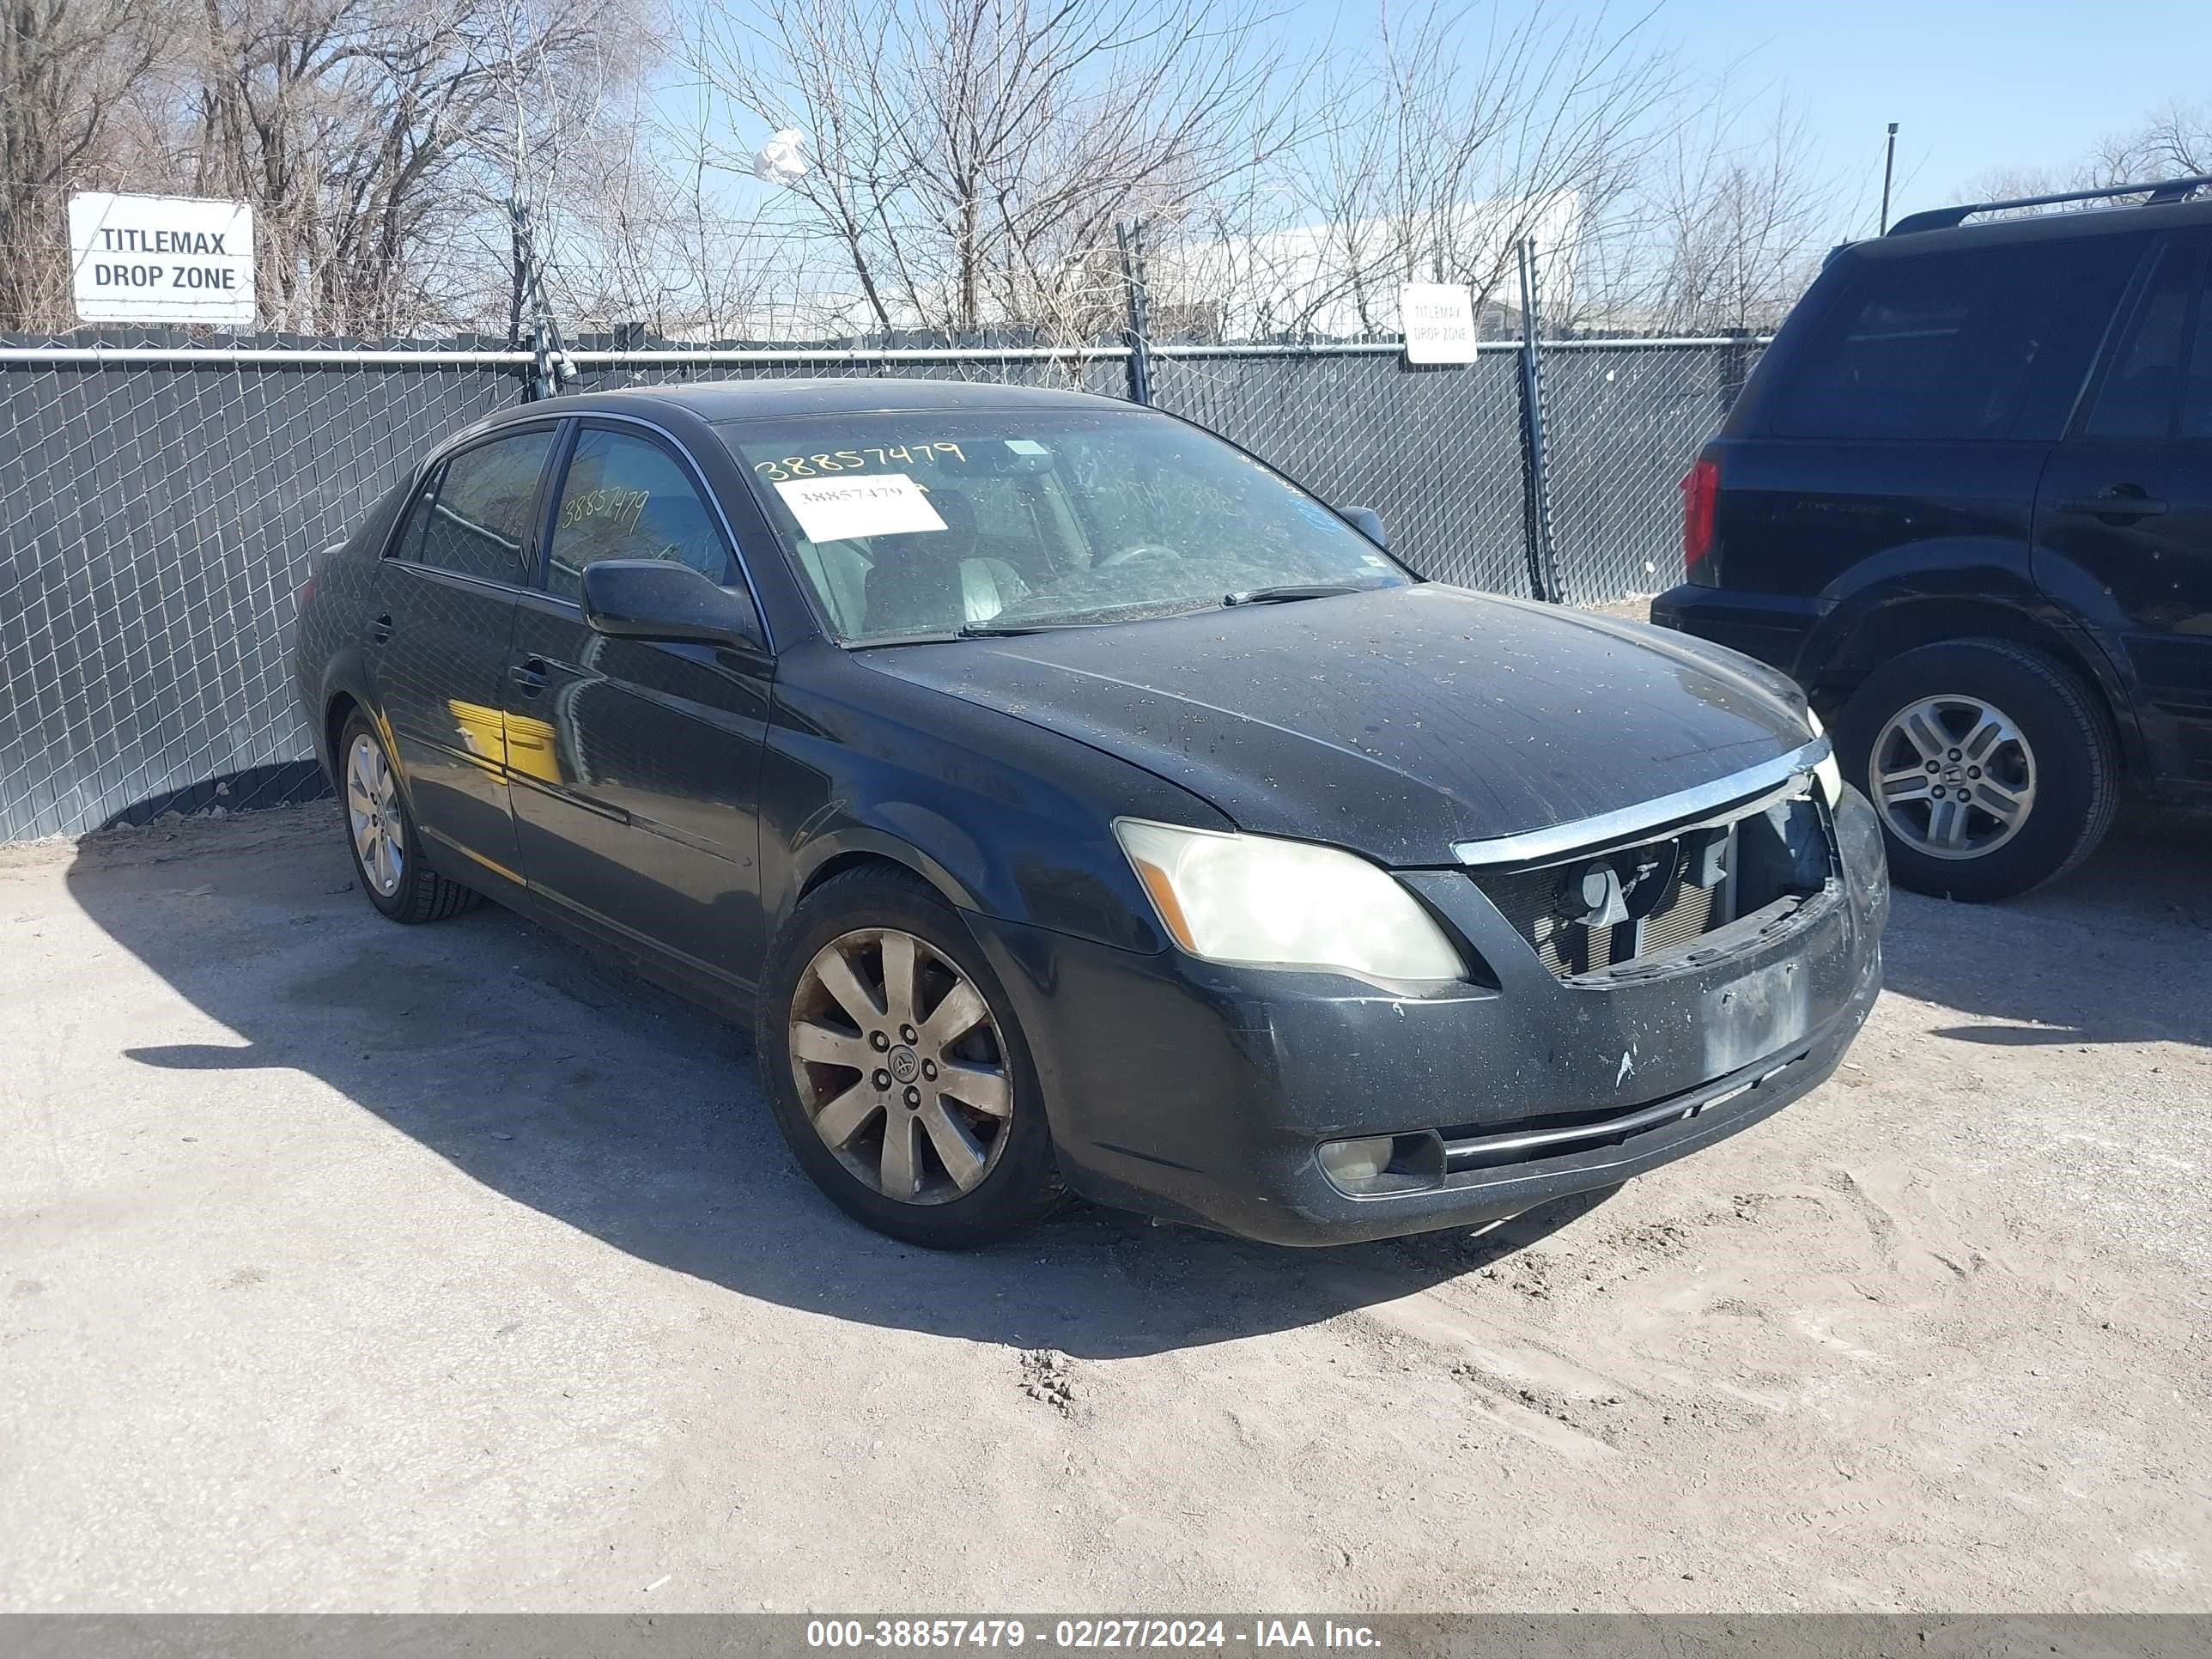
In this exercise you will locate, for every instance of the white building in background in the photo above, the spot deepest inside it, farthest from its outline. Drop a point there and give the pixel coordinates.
(1327, 282)
(1341, 281)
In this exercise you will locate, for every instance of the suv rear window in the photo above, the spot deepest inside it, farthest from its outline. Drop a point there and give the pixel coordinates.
(1974, 342)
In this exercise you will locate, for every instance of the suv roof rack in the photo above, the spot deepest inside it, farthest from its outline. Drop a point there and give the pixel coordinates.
(2160, 191)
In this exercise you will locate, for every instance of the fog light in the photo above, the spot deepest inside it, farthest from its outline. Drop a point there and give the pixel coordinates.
(1354, 1163)
(1376, 1164)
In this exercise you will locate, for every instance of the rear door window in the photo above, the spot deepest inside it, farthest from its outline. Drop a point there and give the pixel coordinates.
(1986, 342)
(2197, 381)
(479, 522)
(2141, 396)
(409, 543)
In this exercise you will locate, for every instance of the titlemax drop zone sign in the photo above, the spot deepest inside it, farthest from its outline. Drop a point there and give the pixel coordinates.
(161, 259)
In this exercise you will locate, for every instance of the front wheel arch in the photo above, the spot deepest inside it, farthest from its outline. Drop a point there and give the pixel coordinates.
(859, 847)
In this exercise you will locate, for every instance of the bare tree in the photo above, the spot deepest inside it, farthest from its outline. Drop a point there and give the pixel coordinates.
(1722, 232)
(968, 159)
(363, 133)
(638, 234)
(2173, 143)
(1463, 130)
(66, 67)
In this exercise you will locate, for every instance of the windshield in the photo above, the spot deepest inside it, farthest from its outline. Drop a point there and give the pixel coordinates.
(923, 523)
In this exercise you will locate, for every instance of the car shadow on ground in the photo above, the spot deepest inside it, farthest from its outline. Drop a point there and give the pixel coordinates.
(2118, 951)
(572, 1088)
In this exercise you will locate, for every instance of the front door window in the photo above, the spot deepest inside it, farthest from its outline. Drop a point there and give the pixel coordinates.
(625, 497)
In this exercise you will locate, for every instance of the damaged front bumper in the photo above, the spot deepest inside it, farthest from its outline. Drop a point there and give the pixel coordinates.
(1201, 1093)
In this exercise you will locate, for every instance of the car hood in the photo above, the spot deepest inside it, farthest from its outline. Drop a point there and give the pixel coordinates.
(1397, 722)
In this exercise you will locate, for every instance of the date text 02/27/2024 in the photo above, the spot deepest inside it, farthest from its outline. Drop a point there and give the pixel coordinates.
(1089, 1634)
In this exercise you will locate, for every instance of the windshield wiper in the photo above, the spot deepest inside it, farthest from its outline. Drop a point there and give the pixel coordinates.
(1000, 630)
(1290, 591)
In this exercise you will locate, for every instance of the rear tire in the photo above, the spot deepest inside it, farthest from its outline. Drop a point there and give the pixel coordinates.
(1992, 769)
(388, 860)
(894, 1064)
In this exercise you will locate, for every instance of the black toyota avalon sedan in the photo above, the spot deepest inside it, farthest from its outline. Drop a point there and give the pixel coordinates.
(1070, 801)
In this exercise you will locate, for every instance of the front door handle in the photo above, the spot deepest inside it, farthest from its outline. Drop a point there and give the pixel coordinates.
(530, 675)
(380, 630)
(2120, 501)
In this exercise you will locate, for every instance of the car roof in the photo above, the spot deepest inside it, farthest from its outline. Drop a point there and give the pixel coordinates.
(1905, 242)
(718, 401)
(735, 402)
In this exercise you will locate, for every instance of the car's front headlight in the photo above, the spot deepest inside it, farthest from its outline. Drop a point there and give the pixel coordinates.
(1829, 771)
(1264, 902)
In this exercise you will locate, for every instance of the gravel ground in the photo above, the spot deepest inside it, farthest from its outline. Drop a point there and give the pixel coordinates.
(346, 1266)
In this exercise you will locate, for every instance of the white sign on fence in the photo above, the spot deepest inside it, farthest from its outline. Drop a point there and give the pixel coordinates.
(1438, 320)
(161, 259)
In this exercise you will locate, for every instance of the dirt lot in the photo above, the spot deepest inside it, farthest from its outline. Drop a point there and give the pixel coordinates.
(350, 1265)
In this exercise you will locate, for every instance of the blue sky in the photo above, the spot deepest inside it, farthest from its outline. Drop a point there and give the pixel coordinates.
(1975, 85)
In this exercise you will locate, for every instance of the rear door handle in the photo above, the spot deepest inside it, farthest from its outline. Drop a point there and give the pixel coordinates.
(2113, 504)
(380, 629)
(530, 675)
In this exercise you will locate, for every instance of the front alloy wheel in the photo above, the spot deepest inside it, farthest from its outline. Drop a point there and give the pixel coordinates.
(896, 1067)
(900, 1067)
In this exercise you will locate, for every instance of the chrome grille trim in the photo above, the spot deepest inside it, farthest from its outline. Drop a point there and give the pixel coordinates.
(1464, 1151)
(1648, 819)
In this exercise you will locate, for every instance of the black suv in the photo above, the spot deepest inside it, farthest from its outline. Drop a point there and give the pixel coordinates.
(1966, 500)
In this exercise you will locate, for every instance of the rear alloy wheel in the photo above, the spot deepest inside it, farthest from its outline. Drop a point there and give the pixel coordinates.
(1992, 767)
(897, 1069)
(380, 840)
(1953, 777)
(387, 853)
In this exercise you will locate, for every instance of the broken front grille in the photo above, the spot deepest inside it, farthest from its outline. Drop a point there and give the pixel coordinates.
(1592, 912)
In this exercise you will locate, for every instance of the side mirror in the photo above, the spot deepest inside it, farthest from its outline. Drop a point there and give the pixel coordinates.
(659, 599)
(1368, 522)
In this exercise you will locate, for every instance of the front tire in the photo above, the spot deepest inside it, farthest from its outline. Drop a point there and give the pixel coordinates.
(897, 1069)
(388, 860)
(1992, 769)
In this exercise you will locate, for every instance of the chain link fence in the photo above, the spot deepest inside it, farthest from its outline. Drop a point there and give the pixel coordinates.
(157, 513)
(1437, 452)
(1622, 421)
(160, 497)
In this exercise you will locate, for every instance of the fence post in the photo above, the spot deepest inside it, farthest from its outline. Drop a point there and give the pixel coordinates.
(1736, 367)
(1535, 472)
(1138, 335)
(551, 366)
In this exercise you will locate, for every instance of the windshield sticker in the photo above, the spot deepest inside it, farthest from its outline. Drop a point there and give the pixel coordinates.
(838, 509)
(1025, 446)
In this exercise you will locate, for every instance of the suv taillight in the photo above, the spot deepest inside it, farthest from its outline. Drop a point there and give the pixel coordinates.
(1701, 485)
